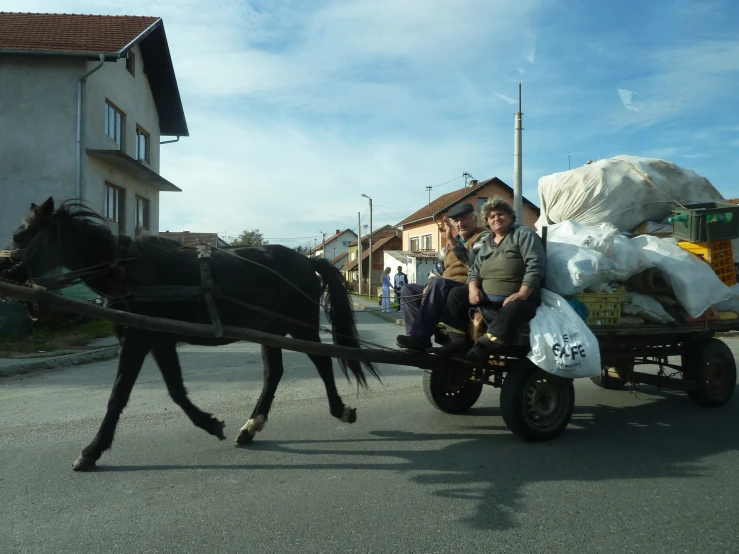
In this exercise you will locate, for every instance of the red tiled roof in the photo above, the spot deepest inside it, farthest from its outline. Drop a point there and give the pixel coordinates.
(732, 201)
(446, 201)
(186, 238)
(377, 234)
(70, 33)
(375, 246)
(339, 258)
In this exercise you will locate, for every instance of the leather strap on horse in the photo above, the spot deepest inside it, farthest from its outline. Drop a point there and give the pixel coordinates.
(209, 288)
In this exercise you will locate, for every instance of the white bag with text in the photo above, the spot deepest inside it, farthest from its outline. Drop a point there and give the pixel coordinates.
(561, 342)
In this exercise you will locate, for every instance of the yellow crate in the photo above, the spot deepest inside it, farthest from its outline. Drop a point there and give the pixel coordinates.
(604, 308)
(720, 257)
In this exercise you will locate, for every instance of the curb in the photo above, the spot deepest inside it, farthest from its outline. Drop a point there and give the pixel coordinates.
(80, 358)
(381, 315)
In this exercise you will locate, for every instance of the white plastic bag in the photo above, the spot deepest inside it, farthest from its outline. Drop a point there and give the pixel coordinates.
(647, 307)
(561, 342)
(616, 191)
(694, 283)
(582, 257)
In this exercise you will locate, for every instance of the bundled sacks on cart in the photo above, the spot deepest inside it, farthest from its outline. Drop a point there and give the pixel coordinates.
(606, 267)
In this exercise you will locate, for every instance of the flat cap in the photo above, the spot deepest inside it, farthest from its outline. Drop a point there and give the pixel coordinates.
(461, 210)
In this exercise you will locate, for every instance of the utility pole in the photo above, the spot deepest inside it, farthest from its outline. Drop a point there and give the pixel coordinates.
(359, 251)
(323, 242)
(568, 161)
(466, 176)
(369, 256)
(517, 168)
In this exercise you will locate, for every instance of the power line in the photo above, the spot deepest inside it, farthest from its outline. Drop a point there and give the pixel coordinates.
(446, 183)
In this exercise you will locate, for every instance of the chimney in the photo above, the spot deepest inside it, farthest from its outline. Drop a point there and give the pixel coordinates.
(338, 231)
(473, 182)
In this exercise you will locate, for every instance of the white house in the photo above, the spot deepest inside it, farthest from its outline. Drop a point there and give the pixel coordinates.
(84, 102)
(417, 265)
(336, 244)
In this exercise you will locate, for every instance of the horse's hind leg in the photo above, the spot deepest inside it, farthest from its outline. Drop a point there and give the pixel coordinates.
(273, 370)
(335, 404)
(130, 358)
(165, 355)
(325, 369)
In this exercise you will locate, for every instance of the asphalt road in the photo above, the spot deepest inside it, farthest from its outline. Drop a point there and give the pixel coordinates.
(649, 472)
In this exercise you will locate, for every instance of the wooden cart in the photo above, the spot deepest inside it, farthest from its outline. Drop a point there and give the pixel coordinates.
(536, 405)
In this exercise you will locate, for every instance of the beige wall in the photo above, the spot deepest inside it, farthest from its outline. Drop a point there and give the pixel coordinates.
(38, 128)
(428, 226)
(132, 95)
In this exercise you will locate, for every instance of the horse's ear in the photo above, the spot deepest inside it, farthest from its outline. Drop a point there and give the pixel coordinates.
(33, 206)
(47, 208)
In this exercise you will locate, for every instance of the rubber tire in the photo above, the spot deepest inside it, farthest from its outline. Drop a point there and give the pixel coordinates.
(439, 386)
(694, 369)
(608, 381)
(513, 402)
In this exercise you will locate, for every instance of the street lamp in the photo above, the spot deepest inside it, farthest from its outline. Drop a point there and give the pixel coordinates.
(369, 277)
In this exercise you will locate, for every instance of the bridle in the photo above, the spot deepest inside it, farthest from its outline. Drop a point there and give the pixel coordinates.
(13, 255)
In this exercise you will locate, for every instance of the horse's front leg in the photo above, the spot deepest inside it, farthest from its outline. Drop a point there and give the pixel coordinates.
(273, 370)
(130, 358)
(336, 405)
(165, 355)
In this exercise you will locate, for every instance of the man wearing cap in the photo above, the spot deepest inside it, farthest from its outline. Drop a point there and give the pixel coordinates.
(422, 307)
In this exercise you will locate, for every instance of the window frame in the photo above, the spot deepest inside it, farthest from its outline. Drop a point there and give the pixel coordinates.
(131, 63)
(141, 132)
(417, 241)
(119, 125)
(117, 207)
(146, 226)
(427, 239)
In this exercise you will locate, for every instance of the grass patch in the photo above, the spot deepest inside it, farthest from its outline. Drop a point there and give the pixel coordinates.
(55, 338)
(374, 300)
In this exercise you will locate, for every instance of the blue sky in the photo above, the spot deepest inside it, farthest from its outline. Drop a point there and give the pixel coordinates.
(296, 108)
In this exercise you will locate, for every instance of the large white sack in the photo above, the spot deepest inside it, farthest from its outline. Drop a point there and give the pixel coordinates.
(582, 257)
(694, 283)
(615, 191)
(561, 342)
(647, 307)
(732, 304)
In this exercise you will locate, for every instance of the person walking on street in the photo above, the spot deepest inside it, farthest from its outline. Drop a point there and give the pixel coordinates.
(399, 281)
(422, 313)
(386, 290)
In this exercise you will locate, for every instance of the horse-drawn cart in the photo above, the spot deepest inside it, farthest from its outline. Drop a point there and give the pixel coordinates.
(535, 405)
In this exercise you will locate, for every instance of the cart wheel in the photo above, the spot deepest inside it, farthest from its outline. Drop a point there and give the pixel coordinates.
(713, 368)
(536, 405)
(450, 391)
(611, 377)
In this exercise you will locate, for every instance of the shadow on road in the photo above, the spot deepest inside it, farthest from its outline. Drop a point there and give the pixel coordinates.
(486, 465)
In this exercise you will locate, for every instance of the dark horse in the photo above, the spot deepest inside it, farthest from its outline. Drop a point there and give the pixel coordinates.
(272, 277)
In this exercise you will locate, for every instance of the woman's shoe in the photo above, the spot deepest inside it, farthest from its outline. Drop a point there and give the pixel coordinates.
(455, 346)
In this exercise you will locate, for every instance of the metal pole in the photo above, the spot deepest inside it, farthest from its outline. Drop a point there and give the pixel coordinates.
(369, 277)
(517, 168)
(359, 251)
(428, 188)
(568, 161)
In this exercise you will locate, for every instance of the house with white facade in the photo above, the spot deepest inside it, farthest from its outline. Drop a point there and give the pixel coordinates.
(85, 101)
(336, 244)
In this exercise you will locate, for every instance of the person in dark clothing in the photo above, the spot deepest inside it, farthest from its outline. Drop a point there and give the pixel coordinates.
(399, 281)
(504, 281)
(423, 305)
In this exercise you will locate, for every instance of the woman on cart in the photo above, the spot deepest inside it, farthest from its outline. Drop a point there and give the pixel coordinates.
(504, 283)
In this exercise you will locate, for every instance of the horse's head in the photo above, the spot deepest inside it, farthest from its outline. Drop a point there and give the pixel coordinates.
(32, 228)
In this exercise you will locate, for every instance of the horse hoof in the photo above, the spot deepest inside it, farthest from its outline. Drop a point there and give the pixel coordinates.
(349, 415)
(244, 438)
(83, 464)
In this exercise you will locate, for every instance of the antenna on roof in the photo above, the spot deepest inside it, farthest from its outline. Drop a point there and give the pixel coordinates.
(517, 185)
(465, 175)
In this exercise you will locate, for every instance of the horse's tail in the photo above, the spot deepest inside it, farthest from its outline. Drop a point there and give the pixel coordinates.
(339, 312)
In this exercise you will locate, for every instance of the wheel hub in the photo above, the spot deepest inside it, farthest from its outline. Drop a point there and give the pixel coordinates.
(543, 401)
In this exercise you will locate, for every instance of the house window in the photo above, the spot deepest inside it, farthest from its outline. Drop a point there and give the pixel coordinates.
(142, 213)
(480, 202)
(345, 243)
(426, 242)
(142, 144)
(114, 121)
(131, 63)
(354, 256)
(414, 244)
(113, 209)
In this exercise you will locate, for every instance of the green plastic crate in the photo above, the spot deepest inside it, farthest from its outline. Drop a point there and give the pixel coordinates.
(689, 222)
